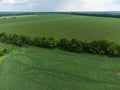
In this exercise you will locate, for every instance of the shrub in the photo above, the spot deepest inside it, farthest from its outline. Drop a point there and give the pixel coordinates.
(3, 52)
(64, 44)
(114, 50)
(100, 46)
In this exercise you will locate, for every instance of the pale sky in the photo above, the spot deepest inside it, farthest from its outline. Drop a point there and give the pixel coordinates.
(59, 5)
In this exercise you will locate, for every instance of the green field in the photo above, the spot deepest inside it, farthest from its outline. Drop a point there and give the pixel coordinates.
(34, 68)
(63, 26)
(42, 69)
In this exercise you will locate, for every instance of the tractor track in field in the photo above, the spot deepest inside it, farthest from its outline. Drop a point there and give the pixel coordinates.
(32, 80)
(61, 60)
(30, 71)
(57, 73)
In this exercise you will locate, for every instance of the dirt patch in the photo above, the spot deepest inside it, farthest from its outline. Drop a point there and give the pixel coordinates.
(118, 73)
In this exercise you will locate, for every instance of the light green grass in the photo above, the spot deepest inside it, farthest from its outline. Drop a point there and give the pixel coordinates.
(63, 26)
(41, 69)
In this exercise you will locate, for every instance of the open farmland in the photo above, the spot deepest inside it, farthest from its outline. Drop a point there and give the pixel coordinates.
(42, 69)
(35, 68)
(63, 26)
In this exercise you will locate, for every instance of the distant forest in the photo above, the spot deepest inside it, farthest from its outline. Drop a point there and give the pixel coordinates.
(113, 14)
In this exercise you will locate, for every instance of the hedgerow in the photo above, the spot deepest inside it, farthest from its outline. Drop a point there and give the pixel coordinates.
(101, 47)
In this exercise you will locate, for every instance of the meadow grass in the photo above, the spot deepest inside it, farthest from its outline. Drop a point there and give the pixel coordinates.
(63, 26)
(43, 69)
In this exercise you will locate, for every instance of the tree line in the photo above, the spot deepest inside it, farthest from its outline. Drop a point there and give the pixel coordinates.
(116, 15)
(100, 47)
(101, 15)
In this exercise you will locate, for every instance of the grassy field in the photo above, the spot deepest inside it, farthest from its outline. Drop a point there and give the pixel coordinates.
(63, 26)
(34, 68)
(42, 69)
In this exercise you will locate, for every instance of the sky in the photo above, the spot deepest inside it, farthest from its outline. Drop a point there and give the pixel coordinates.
(59, 5)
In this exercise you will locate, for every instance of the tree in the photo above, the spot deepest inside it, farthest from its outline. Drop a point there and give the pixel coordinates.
(64, 44)
(114, 50)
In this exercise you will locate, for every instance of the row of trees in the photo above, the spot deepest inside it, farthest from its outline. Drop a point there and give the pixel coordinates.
(101, 47)
(102, 14)
(24, 40)
(95, 47)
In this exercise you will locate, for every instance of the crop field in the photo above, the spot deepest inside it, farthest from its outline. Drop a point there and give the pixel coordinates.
(42, 69)
(34, 68)
(63, 26)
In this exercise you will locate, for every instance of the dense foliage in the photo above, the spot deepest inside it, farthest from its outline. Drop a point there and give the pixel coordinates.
(3, 51)
(102, 14)
(98, 14)
(101, 47)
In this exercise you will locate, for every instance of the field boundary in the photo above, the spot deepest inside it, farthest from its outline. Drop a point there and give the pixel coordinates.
(100, 47)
